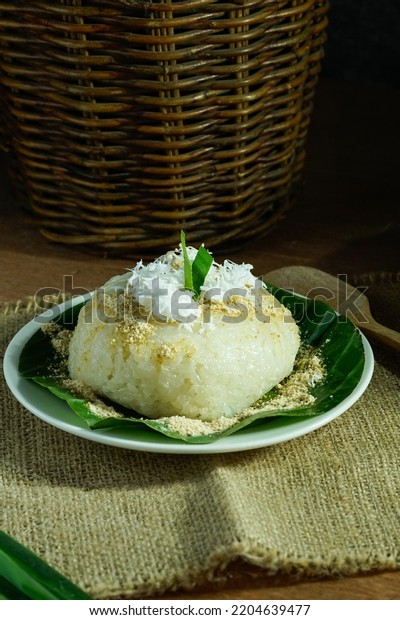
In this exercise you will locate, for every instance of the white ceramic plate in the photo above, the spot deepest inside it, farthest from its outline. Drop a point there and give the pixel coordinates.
(43, 404)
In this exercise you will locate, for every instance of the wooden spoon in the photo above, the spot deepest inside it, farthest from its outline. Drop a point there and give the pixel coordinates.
(339, 294)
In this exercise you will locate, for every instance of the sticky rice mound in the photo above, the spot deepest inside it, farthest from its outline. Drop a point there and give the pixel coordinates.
(169, 354)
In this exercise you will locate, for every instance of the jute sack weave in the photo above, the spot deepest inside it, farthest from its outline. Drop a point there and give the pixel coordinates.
(127, 524)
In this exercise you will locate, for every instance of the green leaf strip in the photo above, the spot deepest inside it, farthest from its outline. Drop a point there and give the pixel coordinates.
(8, 592)
(187, 265)
(23, 571)
(195, 273)
(200, 268)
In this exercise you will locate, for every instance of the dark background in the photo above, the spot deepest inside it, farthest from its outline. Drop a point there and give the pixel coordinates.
(364, 41)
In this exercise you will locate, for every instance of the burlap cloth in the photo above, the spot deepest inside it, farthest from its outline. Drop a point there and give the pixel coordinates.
(131, 524)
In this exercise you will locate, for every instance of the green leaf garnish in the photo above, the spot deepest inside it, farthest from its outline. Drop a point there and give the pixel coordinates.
(23, 575)
(187, 265)
(200, 268)
(195, 273)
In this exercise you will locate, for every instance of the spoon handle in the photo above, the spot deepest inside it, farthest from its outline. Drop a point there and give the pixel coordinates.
(380, 333)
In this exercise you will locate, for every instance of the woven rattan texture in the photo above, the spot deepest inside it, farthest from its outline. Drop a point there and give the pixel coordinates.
(127, 120)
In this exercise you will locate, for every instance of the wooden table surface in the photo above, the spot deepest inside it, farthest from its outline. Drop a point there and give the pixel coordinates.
(345, 221)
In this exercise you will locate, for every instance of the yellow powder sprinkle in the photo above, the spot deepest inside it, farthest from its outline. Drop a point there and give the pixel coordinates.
(166, 351)
(94, 402)
(135, 332)
(61, 342)
(103, 411)
(294, 391)
(51, 329)
(195, 428)
(60, 339)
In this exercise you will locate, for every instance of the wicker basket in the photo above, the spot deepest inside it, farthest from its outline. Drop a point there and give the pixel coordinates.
(127, 120)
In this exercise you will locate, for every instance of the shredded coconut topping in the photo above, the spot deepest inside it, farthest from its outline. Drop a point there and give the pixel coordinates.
(159, 285)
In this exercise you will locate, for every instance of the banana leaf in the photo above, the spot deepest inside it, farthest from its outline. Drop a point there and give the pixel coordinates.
(23, 575)
(336, 340)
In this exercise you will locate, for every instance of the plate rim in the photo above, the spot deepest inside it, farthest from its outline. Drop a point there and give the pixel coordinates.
(235, 442)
